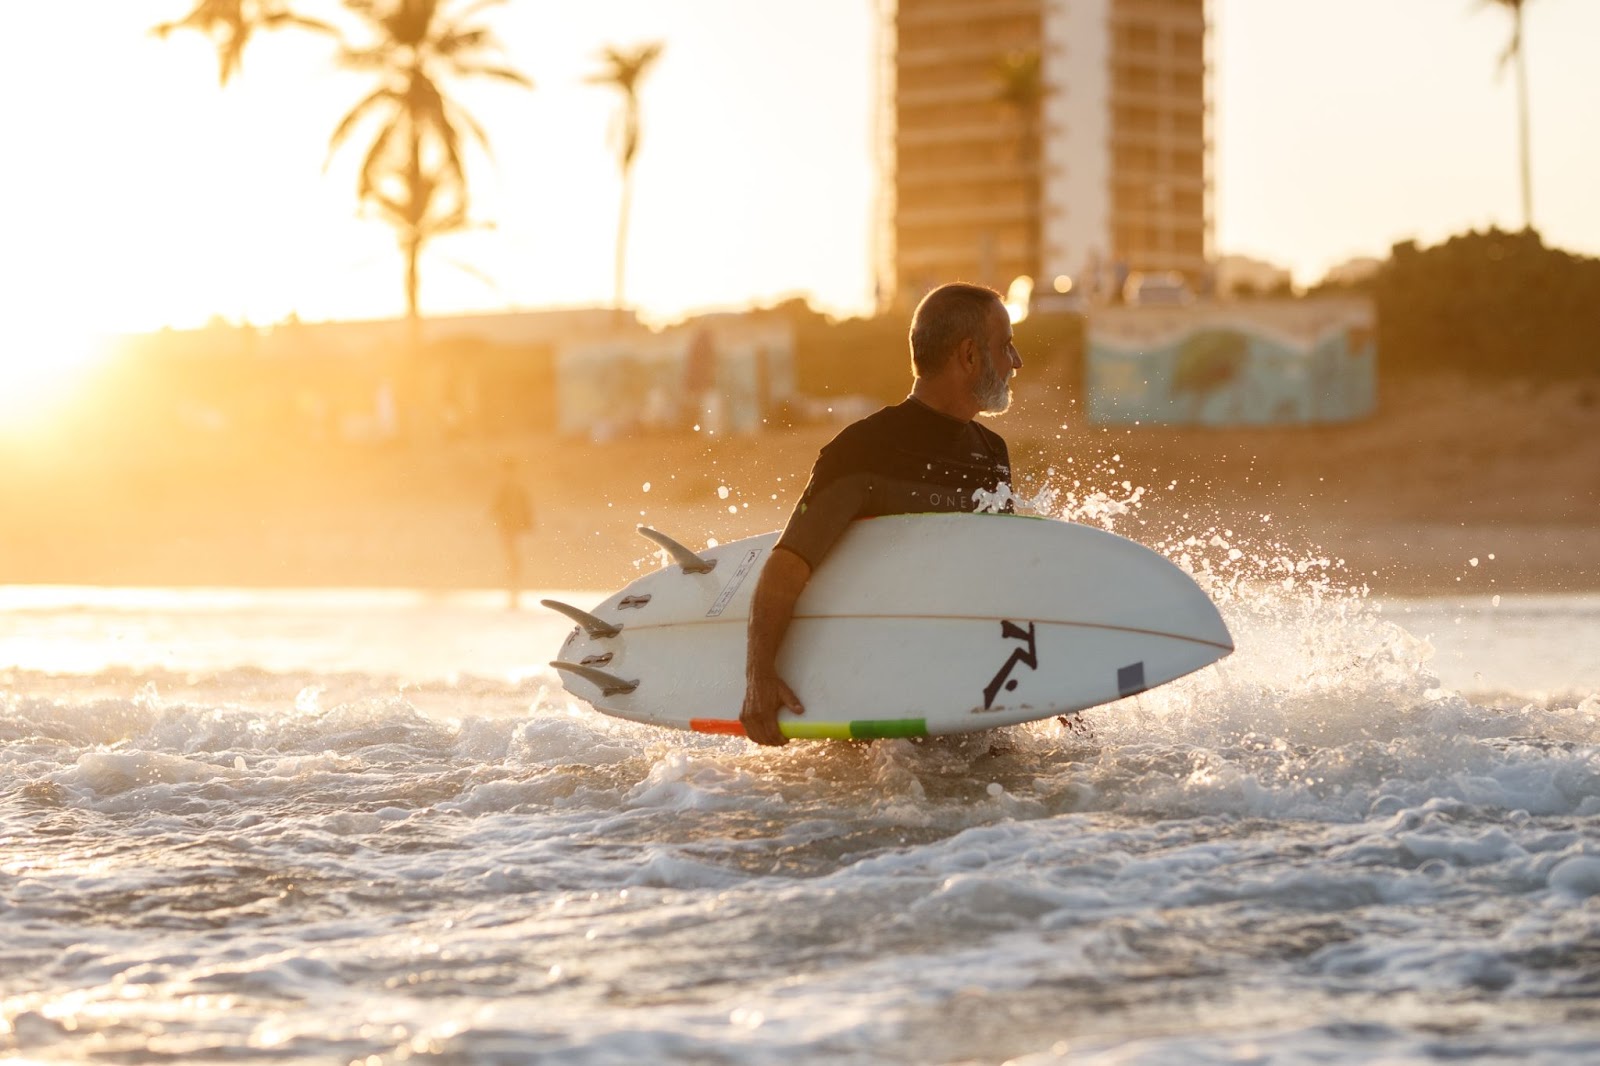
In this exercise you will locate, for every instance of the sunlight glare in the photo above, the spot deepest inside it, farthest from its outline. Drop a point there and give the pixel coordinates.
(1019, 295)
(42, 361)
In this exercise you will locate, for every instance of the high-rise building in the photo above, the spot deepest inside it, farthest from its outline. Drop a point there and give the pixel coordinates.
(1058, 139)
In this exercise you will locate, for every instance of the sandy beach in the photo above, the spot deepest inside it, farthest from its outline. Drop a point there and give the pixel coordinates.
(1445, 473)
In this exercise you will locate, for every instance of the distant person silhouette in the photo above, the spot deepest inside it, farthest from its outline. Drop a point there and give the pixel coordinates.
(700, 379)
(512, 512)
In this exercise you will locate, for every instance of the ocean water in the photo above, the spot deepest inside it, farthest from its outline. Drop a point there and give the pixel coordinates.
(370, 827)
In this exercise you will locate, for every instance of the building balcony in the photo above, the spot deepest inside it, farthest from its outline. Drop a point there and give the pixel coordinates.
(1163, 100)
(944, 94)
(972, 213)
(1145, 16)
(974, 174)
(983, 50)
(952, 260)
(974, 134)
(1149, 177)
(937, 12)
(1124, 135)
(1158, 217)
(1158, 58)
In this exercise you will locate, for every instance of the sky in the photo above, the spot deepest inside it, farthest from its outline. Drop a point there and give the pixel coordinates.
(141, 195)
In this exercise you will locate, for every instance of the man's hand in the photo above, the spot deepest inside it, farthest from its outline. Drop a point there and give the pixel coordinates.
(764, 696)
(780, 585)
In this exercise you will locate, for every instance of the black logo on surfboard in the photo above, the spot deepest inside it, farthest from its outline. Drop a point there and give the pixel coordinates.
(1027, 656)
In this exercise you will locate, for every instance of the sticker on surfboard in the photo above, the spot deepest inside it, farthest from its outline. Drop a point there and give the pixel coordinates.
(728, 590)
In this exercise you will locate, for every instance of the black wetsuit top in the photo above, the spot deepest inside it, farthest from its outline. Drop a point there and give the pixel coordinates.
(903, 459)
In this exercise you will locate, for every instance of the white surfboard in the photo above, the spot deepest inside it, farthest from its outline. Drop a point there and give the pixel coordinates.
(914, 625)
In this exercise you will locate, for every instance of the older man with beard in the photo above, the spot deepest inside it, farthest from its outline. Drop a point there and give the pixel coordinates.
(924, 454)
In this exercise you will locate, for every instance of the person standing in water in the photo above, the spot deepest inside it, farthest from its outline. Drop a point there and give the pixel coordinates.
(512, 512)
(926, 453)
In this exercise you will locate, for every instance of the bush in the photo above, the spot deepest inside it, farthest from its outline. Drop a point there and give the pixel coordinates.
(1489, 304)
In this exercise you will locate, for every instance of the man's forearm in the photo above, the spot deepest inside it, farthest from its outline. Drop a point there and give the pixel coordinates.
(782, 581)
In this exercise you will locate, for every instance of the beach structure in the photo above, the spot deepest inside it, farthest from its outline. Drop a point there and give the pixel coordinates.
(717, 373)
(580, 371)
(1233, 364)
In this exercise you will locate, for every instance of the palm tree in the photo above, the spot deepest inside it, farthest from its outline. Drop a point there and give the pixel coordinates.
(1514, 53)
(420, 207)
(413, 171)
(624, 71)
(230, 23)
(1020, 86)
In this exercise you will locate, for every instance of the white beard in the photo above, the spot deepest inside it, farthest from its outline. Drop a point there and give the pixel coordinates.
(993, 392)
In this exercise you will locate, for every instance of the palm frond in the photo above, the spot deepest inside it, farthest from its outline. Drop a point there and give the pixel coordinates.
(453, 41)
(231, 55)
(355, 116)
(625, 69)
(393, 212)
(206, 16)
(458, 115)
(364, 59)
(232, 23)
(279, 19)
(1020, 79)
(451, 140)
(505, 74)
(367, 183)
(1513, 47)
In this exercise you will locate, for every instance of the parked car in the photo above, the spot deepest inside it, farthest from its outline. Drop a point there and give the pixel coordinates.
(1157, 289)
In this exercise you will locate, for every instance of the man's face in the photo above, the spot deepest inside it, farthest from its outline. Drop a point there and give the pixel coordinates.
(1000, 361)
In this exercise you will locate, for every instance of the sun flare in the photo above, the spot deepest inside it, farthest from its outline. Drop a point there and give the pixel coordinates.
(42, 363)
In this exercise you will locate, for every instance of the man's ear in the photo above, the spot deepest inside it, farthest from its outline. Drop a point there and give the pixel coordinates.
(967, 354)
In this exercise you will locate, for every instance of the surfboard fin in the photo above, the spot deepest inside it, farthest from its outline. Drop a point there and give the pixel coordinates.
(691, 563)
(609, 684)
(591, 625)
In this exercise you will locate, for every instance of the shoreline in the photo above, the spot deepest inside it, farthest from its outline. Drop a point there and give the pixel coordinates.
(1389, 560)
(1446, 472)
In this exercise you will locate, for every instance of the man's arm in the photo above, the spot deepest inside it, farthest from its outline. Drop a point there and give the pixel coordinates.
(782, 580)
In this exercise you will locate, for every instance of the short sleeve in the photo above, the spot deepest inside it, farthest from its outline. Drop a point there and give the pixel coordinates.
(822, 516)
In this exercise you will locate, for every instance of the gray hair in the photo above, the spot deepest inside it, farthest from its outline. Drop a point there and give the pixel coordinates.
(947, 316)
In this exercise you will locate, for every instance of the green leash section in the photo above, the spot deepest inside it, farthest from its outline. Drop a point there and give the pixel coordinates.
(861, 729)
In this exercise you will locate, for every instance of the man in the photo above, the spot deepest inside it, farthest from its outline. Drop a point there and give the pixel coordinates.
(924, 454)
(513, 516)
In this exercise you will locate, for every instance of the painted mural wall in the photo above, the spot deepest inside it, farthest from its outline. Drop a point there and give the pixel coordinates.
(1235, 364)
(717, 373)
